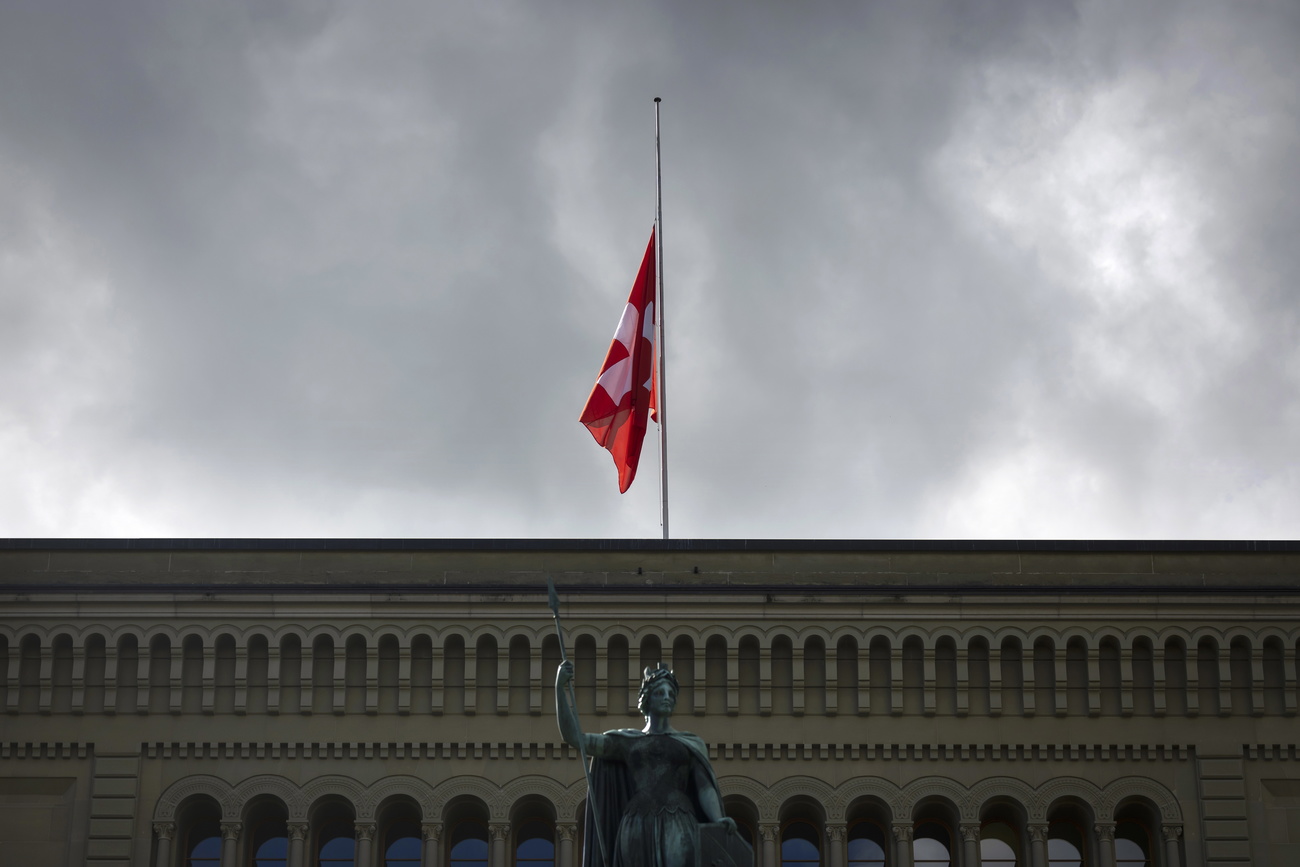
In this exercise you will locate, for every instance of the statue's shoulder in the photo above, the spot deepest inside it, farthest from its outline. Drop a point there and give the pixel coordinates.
(693, 739)
(625, 733)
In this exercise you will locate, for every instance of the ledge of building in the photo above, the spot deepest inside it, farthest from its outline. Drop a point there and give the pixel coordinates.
(647, 566)
(772, 545)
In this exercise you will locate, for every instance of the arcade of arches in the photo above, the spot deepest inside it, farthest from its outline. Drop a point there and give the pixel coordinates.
(866, 704)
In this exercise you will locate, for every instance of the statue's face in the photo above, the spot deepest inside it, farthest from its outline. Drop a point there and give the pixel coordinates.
(662, 699)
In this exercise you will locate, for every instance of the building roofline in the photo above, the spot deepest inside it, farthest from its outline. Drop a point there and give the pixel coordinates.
(1099, 546)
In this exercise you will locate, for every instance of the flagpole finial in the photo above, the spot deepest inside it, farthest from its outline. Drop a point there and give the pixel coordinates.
(657, 99)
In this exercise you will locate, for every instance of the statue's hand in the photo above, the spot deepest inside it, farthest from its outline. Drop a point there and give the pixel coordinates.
(564, 676)
(730, 824)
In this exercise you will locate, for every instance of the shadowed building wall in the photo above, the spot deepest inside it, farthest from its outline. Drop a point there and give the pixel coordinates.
(865, 703)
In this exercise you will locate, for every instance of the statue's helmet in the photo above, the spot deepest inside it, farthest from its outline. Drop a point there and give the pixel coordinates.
(652, 677)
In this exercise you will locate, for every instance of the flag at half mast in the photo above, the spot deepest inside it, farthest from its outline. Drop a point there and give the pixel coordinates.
(623, 399)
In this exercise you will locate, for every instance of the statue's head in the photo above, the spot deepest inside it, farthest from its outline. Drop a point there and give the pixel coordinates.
(652, 678)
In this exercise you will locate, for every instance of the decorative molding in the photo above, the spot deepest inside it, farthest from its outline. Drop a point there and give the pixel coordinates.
(456, 788)
(1117, 791)
(198, 785)
(734, 785)
(564, 800)
(272, 785)
(933, 787)
(810, 788)
(995, 787)
(1060, 788)
(498, 801)
(401, 785)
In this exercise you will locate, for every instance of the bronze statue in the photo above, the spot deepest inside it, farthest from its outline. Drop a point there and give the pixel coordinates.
(651, 791)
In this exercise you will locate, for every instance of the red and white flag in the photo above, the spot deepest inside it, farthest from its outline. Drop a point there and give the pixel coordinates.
(624, 396)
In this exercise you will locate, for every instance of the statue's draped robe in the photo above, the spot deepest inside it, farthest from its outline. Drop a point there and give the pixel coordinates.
(612, 787)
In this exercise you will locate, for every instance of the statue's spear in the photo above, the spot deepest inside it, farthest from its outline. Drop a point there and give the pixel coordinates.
(554, 599)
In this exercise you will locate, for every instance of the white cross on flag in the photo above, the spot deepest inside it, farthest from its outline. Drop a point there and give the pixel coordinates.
(623, 398)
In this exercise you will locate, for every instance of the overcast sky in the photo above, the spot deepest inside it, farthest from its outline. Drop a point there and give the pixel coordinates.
(978, 270)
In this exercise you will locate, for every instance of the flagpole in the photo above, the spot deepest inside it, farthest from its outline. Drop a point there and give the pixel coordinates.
(659, 323)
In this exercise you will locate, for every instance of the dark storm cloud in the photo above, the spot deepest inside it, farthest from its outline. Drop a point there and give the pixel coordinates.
(998, 270)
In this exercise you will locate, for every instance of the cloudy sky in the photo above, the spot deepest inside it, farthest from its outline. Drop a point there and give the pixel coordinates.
(980, 270)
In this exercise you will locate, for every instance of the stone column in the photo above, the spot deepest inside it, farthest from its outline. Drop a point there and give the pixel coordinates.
(903, 844)
(164, 831)
(769, 833)
(564, 834)
(431, 852)
(835, 845)
(1106, 842)
(1038, 846)
(230, 842)
(1171, 834)
(498, 832)
(970, 844)
(297, 843)
(365, 843)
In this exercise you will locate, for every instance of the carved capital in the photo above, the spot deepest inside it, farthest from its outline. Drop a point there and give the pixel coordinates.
(230, 830)
(903, 833)
(1105, 831)
(432, 831)
(836, 833)
(769, 833)
(365, 830)
(1038, 833)
(164, 830)
(1171, 832)
(970, 832)
(499, 831)
(297, 830)
(565, 832)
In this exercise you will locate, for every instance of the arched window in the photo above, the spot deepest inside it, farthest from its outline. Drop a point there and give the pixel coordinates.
(270, 844)
(203, 845)
(846, 674)
(535, 844)
(814, 676)
(800, 844)
(1132, 844)
(684, 668)
(931, 845)
(618, 698)
(867, 845)
(468, 845)
(749, 670)
(1065, 845)
(998, 845)
(745, 829)
(337, 844)
(403, 845)
(782, 675)
(715, 675)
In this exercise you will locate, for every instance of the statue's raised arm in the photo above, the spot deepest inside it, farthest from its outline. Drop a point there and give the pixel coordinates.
(652, 789)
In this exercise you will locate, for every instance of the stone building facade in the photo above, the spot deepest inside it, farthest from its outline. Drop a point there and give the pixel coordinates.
(277, 702)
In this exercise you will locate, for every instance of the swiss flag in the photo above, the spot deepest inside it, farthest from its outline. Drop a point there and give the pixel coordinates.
(624, 395)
